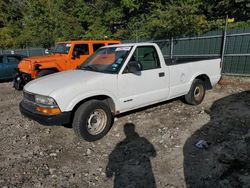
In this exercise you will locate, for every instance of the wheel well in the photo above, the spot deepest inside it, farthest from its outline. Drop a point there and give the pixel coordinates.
(109, 101)
(206, 80)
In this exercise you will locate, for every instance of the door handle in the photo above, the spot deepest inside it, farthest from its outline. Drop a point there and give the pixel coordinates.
(161, 74)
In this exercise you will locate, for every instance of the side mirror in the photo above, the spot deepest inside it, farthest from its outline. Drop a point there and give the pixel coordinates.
(134, 67)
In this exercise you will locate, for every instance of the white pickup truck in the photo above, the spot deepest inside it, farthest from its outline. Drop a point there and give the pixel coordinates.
(116, 79)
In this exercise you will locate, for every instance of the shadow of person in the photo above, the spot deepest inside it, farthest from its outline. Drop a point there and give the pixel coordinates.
(226, 160)
(129, 162)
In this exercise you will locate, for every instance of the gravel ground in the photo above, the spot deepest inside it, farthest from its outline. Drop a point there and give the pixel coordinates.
(151, 147)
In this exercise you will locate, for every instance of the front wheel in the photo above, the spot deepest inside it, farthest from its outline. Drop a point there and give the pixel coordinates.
(196, 93)
(92, 120)
(18, 82)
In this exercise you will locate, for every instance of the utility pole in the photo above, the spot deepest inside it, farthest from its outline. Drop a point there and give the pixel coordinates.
(224, 43)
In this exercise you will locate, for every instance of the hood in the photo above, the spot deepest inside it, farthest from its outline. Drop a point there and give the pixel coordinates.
(52, 57)
(27, 64)
(67, 81)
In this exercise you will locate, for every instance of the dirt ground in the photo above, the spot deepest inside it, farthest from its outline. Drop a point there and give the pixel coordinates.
(151, 147)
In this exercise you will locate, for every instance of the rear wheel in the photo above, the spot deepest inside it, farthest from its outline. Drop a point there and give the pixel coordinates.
(45, 72)
(196, 93)
(92, 120)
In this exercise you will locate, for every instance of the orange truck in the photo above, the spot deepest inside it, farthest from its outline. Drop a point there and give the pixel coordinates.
(66, 56)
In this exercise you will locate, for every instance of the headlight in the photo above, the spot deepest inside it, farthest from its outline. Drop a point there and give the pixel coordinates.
(45, 101)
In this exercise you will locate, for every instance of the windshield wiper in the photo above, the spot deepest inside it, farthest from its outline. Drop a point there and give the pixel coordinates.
(89, 67)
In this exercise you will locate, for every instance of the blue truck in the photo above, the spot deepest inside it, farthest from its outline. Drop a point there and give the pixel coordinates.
(8, 66)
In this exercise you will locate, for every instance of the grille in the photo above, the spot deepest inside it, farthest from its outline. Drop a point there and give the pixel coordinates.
(29, 101)
(29, 97)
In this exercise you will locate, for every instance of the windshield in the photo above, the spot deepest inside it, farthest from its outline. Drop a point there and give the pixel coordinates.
(62, 48)
(107, 60)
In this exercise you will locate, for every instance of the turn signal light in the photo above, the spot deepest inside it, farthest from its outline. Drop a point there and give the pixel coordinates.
(49, 111)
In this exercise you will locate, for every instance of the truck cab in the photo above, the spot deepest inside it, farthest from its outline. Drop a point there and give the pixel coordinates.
(66, 56)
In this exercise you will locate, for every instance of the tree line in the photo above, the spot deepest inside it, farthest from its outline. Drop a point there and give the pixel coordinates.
(44, 22)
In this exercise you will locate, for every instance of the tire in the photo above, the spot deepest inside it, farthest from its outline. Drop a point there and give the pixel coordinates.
(86, 118)
(45, 72)
(18, 86)
(18, 82)
(196, 93)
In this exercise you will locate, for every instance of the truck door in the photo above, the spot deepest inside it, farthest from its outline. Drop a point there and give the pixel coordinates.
(149, 86)
(80, 53)
(11, 64)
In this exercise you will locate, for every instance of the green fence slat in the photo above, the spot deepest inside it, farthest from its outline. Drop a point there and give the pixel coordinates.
(209, 45)
(247, 66)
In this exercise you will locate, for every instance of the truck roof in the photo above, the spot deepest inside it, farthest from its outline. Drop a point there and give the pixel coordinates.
(130, 44)
(91, 41)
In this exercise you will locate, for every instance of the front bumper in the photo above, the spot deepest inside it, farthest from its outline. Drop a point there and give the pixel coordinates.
(60, 119)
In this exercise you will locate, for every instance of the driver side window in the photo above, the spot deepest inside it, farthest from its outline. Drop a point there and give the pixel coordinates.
(147, 56)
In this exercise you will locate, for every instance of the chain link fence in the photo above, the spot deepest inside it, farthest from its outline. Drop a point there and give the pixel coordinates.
(26, 51)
